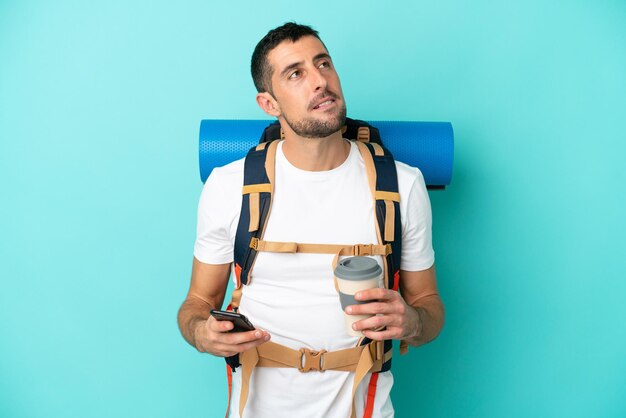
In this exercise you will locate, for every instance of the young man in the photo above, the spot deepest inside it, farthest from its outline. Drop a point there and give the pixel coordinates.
(321, 195)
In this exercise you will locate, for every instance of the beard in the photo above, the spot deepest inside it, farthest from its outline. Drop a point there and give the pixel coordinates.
(315, 128)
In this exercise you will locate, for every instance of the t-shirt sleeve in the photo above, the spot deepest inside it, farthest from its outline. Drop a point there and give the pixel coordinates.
(214, 244)
(417, 247)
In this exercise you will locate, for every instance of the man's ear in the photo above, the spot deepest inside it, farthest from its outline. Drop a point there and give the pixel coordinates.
(268, 104)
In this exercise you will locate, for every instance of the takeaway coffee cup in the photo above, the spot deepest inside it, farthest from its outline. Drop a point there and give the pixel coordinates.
(354, 274)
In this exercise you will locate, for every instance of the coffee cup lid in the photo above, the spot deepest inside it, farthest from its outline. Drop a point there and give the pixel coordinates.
(357, 268)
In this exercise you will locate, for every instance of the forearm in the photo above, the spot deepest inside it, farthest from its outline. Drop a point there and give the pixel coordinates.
(430, 319)
(206, 292)
(192, 313)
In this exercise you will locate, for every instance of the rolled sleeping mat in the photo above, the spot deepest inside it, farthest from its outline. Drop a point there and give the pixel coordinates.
(428, 146)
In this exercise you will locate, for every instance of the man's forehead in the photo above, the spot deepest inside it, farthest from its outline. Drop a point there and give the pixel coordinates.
(287, 52)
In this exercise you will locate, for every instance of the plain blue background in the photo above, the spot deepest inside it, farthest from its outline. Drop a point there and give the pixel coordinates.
(100, 104)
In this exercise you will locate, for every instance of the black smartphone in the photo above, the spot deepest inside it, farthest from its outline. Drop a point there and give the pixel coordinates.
(240, 321)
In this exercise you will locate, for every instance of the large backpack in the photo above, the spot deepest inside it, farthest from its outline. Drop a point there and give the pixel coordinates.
(255, 210)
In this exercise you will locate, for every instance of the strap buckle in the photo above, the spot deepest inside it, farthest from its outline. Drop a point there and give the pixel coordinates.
(311, 360)
(372, 249)
(254, 243)
(363, 249)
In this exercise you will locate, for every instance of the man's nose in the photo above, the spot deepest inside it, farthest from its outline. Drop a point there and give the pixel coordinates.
(318, 80)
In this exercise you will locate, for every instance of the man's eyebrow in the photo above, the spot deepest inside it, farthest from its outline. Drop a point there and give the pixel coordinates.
(299, 63)
(321, 55)
(290, 67)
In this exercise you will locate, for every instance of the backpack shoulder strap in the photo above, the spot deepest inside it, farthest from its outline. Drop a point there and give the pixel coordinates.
(383, 180)
(258, 187)
(256, 202)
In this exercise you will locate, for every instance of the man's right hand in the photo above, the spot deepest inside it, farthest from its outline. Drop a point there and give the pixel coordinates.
(212, 336)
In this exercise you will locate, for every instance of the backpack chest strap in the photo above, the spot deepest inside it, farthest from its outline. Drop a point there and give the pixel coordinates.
(337, 249)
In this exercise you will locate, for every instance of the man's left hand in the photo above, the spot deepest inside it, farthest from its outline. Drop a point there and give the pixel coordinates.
(392, 316)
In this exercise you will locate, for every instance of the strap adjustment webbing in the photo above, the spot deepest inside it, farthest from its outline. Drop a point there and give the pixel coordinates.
(342, 250)
(254, 191)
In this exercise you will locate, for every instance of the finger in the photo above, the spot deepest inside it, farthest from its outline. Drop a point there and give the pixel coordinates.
(220, 326)
(372, 308)
(374, 323)
(229, 348)
(246, 346)
(376, 293)
(387, 334)
(237, 338)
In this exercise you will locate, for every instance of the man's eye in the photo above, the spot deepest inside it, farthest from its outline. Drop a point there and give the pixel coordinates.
(324, 64)
(295, 74)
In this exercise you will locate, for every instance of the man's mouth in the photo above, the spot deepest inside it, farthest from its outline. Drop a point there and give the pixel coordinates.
(324, 104)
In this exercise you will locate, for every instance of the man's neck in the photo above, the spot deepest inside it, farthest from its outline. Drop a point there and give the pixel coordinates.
(316, 154)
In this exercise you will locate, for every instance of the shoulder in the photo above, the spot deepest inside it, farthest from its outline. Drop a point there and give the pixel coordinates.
(407, 172)
(229, 173)
(224, 183)
(409, 178)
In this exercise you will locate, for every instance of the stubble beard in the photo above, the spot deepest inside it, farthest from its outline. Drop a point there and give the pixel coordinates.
(314, 128)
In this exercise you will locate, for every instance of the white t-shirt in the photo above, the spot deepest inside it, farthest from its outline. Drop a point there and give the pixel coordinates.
(292, 296)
